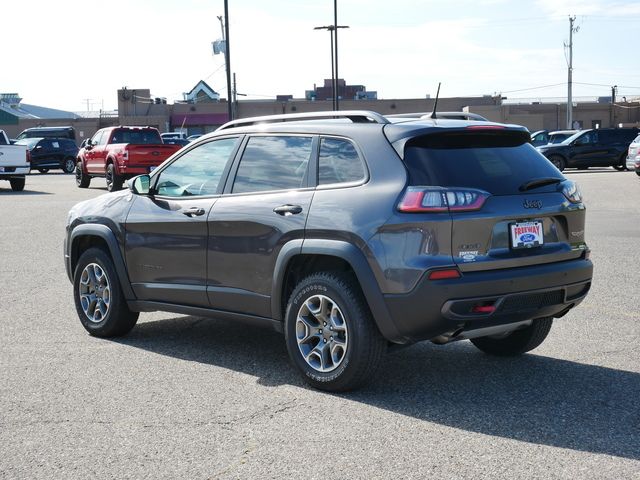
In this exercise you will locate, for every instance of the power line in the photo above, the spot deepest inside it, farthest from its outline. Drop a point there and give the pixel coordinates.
(603, 85)
(533, 88)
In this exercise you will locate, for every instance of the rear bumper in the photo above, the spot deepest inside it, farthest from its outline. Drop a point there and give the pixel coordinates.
(439, 307)
(12, 172)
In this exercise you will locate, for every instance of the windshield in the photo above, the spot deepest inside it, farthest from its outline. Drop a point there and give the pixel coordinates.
(29, 142)
(559, 137)
(567, 141)
(490, 164)
(136, 137)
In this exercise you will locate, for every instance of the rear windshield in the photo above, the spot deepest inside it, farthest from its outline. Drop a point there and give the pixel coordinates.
(136, 137)
(495, 164)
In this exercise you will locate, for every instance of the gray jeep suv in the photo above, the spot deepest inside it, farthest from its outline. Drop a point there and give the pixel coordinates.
(347, 231)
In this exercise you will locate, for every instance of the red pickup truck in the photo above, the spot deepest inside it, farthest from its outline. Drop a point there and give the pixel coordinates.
(118, 153)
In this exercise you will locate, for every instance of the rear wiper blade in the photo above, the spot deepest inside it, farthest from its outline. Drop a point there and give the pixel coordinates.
(539, 182)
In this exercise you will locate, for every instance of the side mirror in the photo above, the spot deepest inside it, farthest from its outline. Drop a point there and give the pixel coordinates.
(140, 185)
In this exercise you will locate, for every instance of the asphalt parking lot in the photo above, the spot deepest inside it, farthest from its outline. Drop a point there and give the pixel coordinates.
(184, 397)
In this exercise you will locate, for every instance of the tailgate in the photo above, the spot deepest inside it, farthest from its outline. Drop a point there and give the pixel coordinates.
(506, 201)
(518, 230)
(149, 155)
(13, 156)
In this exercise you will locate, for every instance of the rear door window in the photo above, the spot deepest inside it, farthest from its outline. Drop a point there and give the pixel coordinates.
(493, 164)
(273, 163)
(339, 162)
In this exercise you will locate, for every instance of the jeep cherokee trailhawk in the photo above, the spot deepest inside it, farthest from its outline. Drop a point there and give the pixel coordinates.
(347, 231)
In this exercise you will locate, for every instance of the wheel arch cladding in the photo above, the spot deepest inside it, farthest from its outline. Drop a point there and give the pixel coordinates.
(89, 235)
(344, 253)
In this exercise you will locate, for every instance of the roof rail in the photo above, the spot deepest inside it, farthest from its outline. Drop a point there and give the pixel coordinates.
(409, 115)
(356, 116)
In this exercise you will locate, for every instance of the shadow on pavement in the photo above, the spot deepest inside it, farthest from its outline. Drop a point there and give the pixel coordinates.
(532, 398)
(594, 170)
(8, 191)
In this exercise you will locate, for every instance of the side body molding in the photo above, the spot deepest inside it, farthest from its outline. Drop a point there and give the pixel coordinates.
(354, 257)
(103, 232)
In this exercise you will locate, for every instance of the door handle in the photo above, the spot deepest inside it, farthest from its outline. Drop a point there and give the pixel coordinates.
(286, 210)
(193, 212)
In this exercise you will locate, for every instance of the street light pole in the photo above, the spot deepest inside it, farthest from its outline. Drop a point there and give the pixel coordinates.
(334, 61)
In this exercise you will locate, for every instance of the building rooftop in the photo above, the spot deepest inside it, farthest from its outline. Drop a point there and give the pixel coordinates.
(11, 103)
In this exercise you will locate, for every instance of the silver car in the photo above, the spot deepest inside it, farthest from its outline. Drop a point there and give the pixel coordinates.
(634, 154)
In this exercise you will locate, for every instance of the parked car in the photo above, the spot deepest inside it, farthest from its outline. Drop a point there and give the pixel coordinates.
(14, 163)
(560, 136)
(175, 141)
(118, 153)
(633, 155)
(48, 132)
(171, 135)
(346, 236)
(51, 153)
(540, 137)
(604, 147)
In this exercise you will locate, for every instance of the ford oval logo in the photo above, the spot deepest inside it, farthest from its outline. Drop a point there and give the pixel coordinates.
(532, 204)
(527, 237)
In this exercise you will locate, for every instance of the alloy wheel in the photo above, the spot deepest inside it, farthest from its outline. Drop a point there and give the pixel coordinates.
(95, 293)
(321, 333)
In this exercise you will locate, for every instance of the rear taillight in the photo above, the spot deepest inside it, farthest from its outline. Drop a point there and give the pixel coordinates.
(572, 191)
(125, 154)
(28, 156)
(444, 274)
(437, 199)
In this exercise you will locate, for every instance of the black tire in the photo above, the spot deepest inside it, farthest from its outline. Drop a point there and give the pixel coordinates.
(43, 170)
(17, 184)
(365, 345)
(638, 172)
(622, 163)
(518, 342)
(82, 179)
(69, 165)
(558, 161)
(114, 181)
(118, 320)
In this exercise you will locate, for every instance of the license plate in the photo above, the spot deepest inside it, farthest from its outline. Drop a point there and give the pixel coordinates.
(526, 235)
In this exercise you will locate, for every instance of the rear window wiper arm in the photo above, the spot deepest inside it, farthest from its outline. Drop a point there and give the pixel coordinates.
(539, 182)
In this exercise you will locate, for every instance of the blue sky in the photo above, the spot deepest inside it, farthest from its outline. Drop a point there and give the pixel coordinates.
(400, 48)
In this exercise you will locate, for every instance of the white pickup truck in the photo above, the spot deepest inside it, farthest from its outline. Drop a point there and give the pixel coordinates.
(14, 162)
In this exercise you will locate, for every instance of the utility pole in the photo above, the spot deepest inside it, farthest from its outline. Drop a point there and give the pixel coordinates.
(235, 98)
(613, 105)
(336, 94)
(227, 58)
(570, 73)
